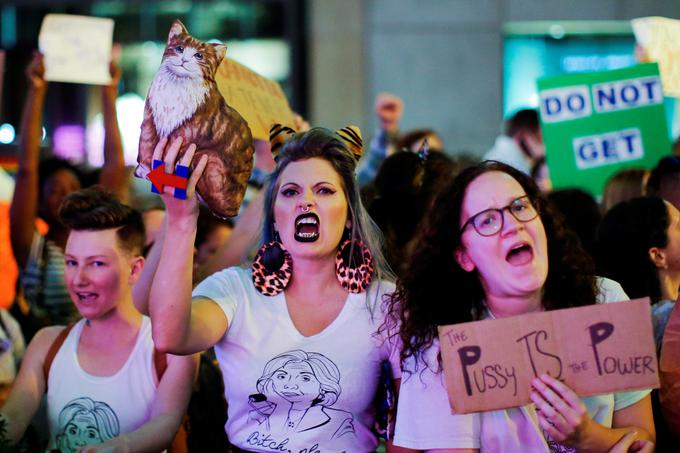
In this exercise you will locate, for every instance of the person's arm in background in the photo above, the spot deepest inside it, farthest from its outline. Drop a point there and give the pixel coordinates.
(24, 208)
(388, 109)
(669, 368)
(245, 233)
(113, 172)
(142, 288)
(169, 407)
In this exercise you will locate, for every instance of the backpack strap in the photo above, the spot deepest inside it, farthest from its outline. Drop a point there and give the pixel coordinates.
(52, 351)
(160, 363)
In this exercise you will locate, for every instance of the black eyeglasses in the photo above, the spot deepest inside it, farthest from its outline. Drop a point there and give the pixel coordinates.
(490, 221)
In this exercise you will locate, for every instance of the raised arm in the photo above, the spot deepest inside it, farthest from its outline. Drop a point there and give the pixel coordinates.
(29, 386)
(388, 109)
(24, 207)
(142, 288)
(113, 172)
(180, 326)
(169, 406)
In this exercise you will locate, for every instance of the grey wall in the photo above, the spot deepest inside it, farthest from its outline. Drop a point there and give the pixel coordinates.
(336, 63)
(443, 57)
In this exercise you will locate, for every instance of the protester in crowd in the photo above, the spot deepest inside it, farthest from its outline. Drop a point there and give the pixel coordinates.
(624, 185)
(104, 381)
(418, 139)
(153, 217)
(521, 145)
(211, 234)
(638, 245)
(12, 349)
(493, 244)
(315, 290)
(664, 180)
(676, 147)
(669, 372)
(540, 173)
(39, 192)
(389, 109)
(404, 186)
(580, 213)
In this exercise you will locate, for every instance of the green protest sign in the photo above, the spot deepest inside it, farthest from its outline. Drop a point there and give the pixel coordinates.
(595, 124)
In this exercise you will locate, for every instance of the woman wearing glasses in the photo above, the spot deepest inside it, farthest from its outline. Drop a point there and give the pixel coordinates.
(492, 248)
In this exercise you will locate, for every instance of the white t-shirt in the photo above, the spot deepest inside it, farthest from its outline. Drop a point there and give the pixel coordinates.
(424, 419)
(291, 393)
(506, 150)
(83, 409)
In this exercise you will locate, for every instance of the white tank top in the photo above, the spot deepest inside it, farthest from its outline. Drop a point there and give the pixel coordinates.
(83, 409)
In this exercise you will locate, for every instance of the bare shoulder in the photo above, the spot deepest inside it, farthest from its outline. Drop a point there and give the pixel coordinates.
(44, 338)
(48, 334)
(42, 341)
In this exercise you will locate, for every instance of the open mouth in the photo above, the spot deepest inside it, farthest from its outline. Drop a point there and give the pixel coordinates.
(87, 298)
(520, 254)
(307, 227)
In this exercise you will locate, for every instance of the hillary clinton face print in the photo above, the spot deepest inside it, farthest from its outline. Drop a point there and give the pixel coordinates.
(296, 392)
(83, 422)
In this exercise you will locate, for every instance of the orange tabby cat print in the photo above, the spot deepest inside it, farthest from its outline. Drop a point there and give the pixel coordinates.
(183, 100)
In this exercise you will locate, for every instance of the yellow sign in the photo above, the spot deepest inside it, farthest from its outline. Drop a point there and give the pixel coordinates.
(260, 101)
(659, 38)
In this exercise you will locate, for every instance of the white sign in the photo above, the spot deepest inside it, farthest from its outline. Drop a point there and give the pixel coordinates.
(627, 94)
(609, 148)
(659, 38)
(77, 49)
(569, 103)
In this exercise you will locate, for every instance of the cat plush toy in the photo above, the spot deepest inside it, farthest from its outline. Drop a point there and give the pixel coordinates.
(184, 101)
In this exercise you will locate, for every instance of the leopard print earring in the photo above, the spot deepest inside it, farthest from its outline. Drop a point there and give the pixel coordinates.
(354, 278)
(272, 268)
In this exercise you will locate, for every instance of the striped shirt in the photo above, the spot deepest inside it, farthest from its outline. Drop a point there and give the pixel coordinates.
(43, 282)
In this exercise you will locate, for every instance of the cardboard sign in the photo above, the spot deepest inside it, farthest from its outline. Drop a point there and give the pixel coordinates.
(659, 37)
(260, 101)
(597, 349)
(77, 49)
(597, 124)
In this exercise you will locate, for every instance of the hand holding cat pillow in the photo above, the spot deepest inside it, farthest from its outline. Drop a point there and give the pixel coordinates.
(183, 101)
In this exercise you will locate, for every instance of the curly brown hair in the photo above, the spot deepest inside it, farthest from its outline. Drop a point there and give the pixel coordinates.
(433, 273)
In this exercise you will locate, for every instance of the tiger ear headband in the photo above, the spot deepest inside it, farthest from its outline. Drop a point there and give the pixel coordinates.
(350, 136)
